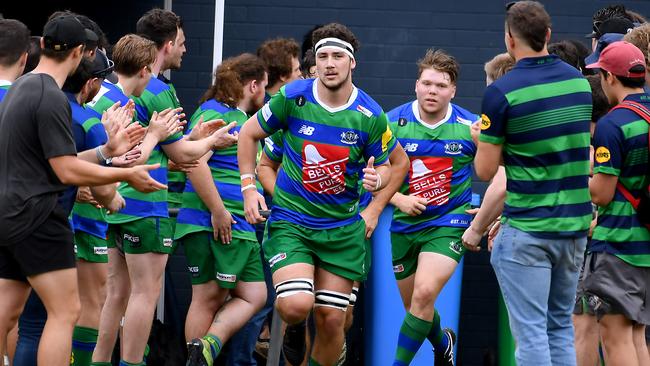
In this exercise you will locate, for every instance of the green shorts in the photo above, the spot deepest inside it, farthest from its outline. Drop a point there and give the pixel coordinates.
(340, 250)
(91, 248)
(209, 260)
(407, 247)
(147, 235)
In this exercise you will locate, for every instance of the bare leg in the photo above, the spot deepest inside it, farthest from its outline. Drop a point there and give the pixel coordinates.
(14, 295)
(92, 292)
(206, 300)
(638, 334)
(295, 308)
(59, 292)
(616, 331)
(586, 343)
(247, 299)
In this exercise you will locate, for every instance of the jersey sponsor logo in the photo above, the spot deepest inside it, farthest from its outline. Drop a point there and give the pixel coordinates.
(323, 167)
(167, 242)
(401, 122)
(485, 122)
(266, 112)
(430, 178)
(602, 154)
(398, 268)
(453, 148)
(226, 277)
(133, 239)
(411, 147)
(349, 137)
(455, 246)
(364, 110)
(100, 250)
(276, 258)
(301, 100)
(306, 130)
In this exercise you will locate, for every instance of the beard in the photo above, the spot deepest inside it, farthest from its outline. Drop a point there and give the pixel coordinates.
(334, 85)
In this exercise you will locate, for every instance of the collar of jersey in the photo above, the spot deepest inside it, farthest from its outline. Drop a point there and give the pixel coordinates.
(5, 82)
(345, 106)
(416, 113)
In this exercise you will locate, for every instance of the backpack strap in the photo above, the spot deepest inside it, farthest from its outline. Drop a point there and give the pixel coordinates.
(644, 113)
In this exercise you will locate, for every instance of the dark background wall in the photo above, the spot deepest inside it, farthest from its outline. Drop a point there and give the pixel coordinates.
(393, 34)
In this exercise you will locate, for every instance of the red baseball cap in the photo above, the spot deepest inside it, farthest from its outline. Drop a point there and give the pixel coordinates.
(619, 58)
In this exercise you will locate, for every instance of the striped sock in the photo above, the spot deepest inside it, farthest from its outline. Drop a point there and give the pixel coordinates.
(436, 336)
(411, 336)
(83, 344)
(124, 363)
(214, 344)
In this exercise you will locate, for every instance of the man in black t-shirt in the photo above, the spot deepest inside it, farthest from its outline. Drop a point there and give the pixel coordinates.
(38, 161)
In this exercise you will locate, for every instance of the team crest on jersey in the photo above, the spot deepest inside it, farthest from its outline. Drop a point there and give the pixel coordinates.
(485, 122)
(323, 167)
(602, 154)
(401, 122)
(453, 148)
(301, 100)
(364, 110)
(349, 137)
(430, 178)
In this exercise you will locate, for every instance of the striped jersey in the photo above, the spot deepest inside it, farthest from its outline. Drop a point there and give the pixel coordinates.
(159, 95)
(540, 112)
(273, 146)
(4, 87)
(324, 153)
(138, 205)
(194, 215)
(621, 149)
(440, 170)
(88, 133)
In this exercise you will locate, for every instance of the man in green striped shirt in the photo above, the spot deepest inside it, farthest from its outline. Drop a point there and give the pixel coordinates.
(536, 121)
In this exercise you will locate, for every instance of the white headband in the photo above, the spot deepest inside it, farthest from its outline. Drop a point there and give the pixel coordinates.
(334, 43)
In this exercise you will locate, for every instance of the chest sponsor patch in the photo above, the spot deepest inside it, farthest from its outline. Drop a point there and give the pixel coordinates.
(485, 122)
(323, 167)
(430, 178)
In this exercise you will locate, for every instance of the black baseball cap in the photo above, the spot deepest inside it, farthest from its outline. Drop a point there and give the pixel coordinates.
(66, 32)
(612, 25)
(103, 67)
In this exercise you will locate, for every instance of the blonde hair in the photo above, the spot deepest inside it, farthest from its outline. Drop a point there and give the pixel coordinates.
(131, 53)
(499, 65)
(640, 37)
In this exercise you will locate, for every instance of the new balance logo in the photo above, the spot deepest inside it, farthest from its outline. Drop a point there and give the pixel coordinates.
(410, 147)
(306, 130)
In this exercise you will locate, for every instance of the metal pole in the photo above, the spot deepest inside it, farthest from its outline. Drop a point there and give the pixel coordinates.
(275, 343)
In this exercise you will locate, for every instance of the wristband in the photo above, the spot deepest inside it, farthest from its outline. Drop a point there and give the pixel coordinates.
(101, 158)
(247, 181)
(249, 175)
(248, 187)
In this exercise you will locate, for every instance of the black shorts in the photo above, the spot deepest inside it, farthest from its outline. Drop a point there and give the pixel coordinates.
(619, 288)
(585, 303)
(48, 248)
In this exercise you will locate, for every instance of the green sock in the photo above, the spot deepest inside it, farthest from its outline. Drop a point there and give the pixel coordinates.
(101, 364)
(436, 336)
(83, 344)
(411, 336)
(124, 363)
(313, 362)
(146, 351)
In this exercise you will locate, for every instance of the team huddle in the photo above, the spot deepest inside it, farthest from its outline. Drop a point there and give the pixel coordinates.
(278, 179)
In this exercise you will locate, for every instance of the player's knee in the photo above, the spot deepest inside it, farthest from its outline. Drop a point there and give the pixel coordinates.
(423, 295)
(329, 321)
(295, 299)
(67, 312)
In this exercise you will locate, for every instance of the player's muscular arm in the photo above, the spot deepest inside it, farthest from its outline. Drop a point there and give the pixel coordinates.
(185, 150)
(267, 173)
(104, 194)
(250, 135)
(487, 160)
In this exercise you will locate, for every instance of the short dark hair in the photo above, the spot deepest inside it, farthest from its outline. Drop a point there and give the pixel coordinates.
(102, 41)
(159, 25)
(599, 102)
(566, 51)
(75, 82)
(629, 82)
(583, 52)
(308, 61)
(276, 55)
(58, 56)
(14, 41)
(611, 11)
(530, 22)
(440, 61)
(307, 43)
(231, 76)
(335, 30)
(33, 54)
